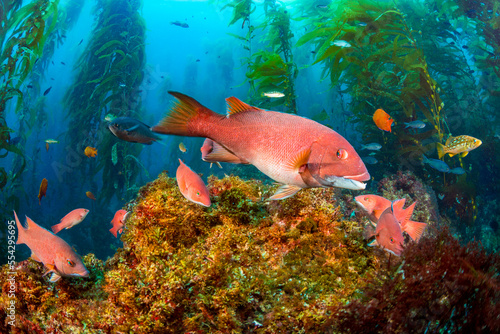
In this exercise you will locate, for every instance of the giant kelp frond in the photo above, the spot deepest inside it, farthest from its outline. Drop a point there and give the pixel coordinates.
(369, 47)
(111, 70)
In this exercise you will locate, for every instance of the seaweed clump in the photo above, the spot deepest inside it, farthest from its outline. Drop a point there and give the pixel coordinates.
(440, 287)
(242, 265)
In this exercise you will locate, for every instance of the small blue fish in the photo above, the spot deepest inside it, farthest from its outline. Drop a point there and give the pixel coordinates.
(436, 164)
(415, 124)
(369, 160)
(371, 147)
(457, 170)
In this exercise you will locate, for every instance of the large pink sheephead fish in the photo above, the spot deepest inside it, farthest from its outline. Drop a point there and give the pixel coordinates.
(292, 150)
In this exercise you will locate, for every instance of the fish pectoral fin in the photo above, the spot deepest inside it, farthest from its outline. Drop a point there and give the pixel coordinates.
(284, 191)
(54, 277)
(373, 243)
(464, 154)
(298, 164)
(50, 269)
(221, 154)
(133, 128)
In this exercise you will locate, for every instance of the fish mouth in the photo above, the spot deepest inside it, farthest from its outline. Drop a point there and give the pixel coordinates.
(344, 182)
(81, 274)
(360, 177)
(352, 182)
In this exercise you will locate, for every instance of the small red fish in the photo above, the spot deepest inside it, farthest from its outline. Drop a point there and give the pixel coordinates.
(51, 250)
(118, 222)
(90, 195)
(382, 120)
(47, 146)
(374, 206)
(388, 234)
(43, 190)
(191, 185)
(73, 218)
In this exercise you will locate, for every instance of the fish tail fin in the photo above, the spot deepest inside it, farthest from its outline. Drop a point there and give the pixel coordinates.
(368, 232)
(187, 117)
(440, 149)
(414, 229)
(56, 228)
(20, 230)
(114, 230)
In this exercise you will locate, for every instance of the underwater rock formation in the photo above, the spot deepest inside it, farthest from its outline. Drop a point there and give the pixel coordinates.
(242, 265)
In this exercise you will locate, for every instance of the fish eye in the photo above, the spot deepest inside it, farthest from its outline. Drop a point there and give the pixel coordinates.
(392, 240)
(366, 198)
(70, 263)
(197, 193)
(342, 154)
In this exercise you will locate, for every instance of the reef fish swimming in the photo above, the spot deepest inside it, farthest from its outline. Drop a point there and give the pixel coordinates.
(43, 190)
(73, 218)
(458, 145)
(132, 130)
(292, 150)
(118, 222)
(374, 206)
(436, 164)
(90, 152)
(191, 185)
(55, 253)
(382, 120)
(388, 234)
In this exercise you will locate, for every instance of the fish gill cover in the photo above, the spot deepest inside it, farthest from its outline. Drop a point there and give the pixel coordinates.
(245, 265)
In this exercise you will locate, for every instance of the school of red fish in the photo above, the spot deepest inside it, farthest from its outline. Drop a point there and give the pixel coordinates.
(294, 151)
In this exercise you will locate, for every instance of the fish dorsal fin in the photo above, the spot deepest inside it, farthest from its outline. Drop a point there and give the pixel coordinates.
(398, 204)
(235, 106)
(301, 159)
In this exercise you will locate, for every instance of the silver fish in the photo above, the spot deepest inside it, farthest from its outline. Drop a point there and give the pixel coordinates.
(415, 125)
(371, 147)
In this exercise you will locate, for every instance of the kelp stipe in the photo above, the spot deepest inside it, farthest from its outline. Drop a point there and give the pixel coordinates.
(23, 33)
(272, 69)
(111, 70)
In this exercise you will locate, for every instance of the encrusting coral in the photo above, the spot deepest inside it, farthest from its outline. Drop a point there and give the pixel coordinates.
(241, 265)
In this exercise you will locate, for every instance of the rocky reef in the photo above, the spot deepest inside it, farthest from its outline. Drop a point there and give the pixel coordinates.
(247, 265)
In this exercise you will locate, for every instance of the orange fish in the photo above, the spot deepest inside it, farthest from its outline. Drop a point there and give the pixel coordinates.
(43, 190)
(374, 206)
(388, 234)
(73, 218)
(292, 150)
(51, 250)
(90, 152)
(47, 146)
(382, 120)
(90, 195)
(191, 185)
(118, 222)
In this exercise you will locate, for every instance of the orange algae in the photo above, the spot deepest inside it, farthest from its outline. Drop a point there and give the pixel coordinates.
(241, 265)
